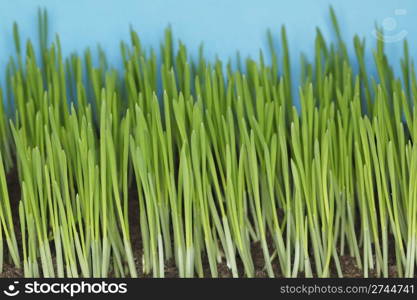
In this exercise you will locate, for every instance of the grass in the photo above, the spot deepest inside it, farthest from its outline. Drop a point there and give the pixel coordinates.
(219, 157)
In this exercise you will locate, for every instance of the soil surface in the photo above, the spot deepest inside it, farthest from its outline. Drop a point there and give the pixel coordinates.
(347, 263)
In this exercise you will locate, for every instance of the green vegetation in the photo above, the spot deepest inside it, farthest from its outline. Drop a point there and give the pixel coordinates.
(205, 161)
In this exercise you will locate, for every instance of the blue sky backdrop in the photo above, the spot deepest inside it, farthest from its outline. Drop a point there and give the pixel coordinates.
(224, 26)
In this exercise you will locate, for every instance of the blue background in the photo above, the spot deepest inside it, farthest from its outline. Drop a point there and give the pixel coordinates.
(224, 26)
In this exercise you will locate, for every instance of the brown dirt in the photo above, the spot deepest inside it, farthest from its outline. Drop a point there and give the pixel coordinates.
(349, 267)
(348, 263)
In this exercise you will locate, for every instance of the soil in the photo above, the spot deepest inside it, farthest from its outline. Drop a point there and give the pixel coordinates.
(348, 263)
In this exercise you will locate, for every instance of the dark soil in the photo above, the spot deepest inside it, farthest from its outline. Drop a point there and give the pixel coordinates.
(348, 263)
